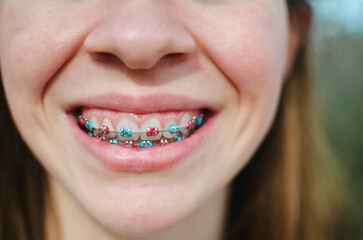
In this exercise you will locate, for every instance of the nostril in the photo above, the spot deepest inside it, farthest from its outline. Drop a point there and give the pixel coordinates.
(106, 58)
(110, 59)
(172, 59)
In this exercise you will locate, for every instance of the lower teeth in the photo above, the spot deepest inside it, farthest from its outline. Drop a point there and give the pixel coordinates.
(192, 126)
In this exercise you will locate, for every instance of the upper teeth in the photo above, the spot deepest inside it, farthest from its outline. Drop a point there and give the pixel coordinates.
(150, 130)
(167, 133)
(147, 127)
(184, 122)
(129, 126)
(107, 122)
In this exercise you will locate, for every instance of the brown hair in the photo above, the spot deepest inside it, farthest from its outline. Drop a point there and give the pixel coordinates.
(284, 192)
(289, 188)
(22, 185)
(279, 195)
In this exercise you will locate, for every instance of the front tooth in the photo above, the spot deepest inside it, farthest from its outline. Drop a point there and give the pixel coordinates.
(126, 123)
(166, 129)
(96, 125)
(107, 122)
(184, 123)
(151, 123)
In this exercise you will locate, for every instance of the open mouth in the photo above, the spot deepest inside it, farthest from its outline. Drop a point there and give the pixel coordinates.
(139, 134)
(140, 130)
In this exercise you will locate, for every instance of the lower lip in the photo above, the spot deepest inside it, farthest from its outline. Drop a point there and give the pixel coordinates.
(122, 158)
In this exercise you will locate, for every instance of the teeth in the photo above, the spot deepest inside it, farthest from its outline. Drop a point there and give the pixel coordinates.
(167, 133)
(126, 123)
(150, 130)
(107, 122)
(184, 122)
(147, 126)
(96, 125)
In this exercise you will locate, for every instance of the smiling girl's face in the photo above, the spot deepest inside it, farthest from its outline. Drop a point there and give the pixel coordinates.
(133, 61)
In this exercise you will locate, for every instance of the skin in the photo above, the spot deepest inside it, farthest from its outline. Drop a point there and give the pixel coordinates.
(232, 54)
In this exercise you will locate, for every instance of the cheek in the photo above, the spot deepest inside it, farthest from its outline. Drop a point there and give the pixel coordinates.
(248, 44)
(34, 45)
(37, 42)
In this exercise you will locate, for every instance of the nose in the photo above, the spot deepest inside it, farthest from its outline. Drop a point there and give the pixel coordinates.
(140, 33)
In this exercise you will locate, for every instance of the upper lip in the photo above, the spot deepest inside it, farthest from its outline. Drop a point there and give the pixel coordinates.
(142, 104)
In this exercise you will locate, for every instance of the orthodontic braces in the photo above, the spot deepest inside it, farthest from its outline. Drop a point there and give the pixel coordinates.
(89, 126)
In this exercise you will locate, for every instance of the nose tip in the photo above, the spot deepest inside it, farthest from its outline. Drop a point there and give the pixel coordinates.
(143, 48)
(140, 35)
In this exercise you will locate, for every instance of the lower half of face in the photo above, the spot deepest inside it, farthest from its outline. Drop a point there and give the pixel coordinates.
(143, 111)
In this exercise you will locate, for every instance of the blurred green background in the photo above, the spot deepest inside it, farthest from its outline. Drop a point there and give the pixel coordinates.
(337, 40)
